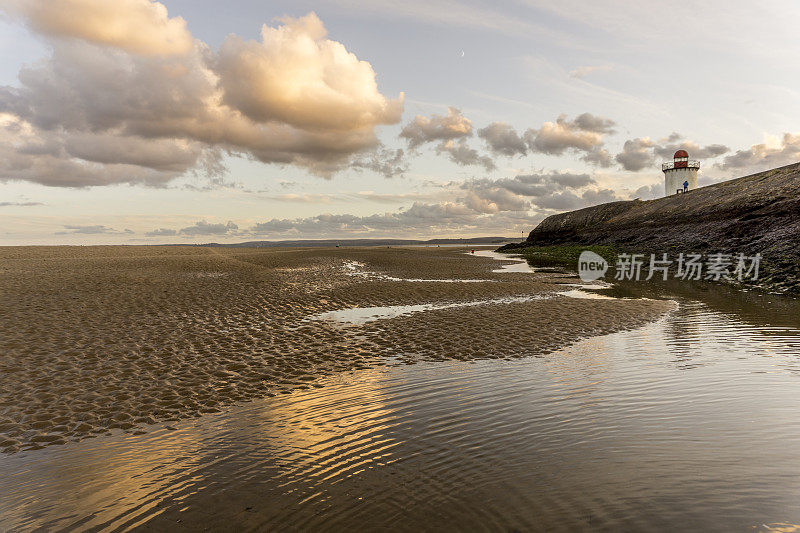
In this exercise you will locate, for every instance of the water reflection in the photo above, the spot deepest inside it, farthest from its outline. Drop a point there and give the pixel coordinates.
(688, 423)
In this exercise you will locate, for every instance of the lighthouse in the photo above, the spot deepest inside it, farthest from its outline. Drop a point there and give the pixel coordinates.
(680, 174)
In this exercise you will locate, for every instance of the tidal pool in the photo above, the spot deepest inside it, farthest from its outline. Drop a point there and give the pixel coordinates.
(689, 423)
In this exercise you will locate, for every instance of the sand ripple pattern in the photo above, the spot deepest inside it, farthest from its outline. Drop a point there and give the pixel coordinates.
(689, 423)
(102, 339)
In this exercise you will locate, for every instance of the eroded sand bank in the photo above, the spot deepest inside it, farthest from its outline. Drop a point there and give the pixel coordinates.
(101, 338)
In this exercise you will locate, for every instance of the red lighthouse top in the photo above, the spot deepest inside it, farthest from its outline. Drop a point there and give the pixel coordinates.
(681, 159)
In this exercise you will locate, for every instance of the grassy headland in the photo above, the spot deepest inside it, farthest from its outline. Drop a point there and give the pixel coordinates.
(757, 214)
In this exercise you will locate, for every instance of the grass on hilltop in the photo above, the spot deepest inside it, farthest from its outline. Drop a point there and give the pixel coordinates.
(563, 255)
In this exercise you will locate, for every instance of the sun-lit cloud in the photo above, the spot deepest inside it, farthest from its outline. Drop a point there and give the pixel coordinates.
(136, 26)
(774, 152)
(98, 112)
(296, 76)
(424, 129)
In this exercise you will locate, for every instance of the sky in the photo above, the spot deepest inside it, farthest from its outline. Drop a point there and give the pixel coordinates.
(192, 121)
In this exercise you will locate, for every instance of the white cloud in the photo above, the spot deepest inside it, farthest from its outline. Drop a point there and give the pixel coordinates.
(296, 76)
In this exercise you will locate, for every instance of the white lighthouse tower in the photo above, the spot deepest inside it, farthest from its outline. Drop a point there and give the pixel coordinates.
(680, 174)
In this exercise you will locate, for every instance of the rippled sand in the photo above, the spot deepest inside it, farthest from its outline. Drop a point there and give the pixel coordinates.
(94, 339)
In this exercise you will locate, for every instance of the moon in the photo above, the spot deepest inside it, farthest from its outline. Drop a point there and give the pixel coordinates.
(462, 53)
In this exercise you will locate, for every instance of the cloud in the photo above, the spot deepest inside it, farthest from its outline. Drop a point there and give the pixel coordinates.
(583, 71)
(89, 230)
(567, 200)
(500, 206)
(461, 154)
(585, 133)
(205, 228)
(503, 139)
(297, 77)
(642, 152)
(423, 129)
(384, 161)
(649, 192)
(598, 158)
(494, 200)
(307, 198)
(19, 204)
(670, 146)
(418, 217)
(97, 113)
(534, 184)
(136, 26)
(161, 232)
(589, 122)
(771, 154)
(636, 154)
(549, 191)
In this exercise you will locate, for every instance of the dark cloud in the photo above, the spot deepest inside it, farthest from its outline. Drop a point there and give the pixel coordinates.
(670, 146)
(597, 124)
(462, 154)
(419, 217)
(641, 153)
(598, 158)
(584, 134)
(503, 139)
(533, 184)
(205, 228)
(549, 191)
(161, 232)
(384, 161)
(636, 154)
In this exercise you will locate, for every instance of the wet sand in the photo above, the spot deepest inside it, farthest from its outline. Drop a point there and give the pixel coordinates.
(95, 340)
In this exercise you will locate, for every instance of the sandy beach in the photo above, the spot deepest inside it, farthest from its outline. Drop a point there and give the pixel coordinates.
(102, 339)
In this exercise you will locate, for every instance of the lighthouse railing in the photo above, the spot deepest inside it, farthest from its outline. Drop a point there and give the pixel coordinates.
(687, 164)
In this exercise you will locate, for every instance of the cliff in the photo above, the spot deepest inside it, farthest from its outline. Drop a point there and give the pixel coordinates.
(756, 213)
